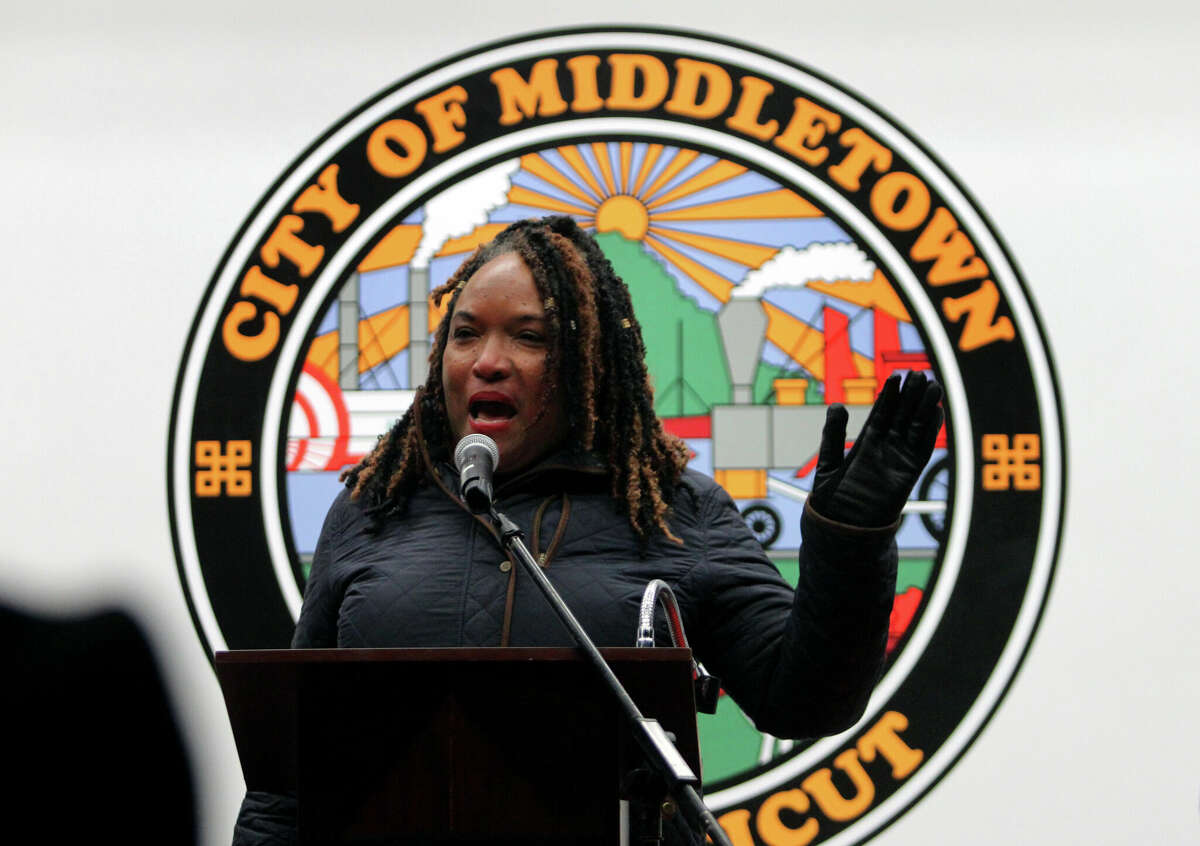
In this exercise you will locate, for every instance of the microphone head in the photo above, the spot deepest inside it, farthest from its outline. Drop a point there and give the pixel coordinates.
(476, 441)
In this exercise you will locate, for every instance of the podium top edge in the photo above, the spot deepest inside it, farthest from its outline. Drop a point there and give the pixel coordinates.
(484, 654)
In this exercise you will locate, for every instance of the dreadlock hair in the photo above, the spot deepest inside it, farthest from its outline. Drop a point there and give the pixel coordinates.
(599, 357)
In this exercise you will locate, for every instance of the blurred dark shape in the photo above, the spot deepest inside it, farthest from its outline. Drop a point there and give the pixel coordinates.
(91, 747)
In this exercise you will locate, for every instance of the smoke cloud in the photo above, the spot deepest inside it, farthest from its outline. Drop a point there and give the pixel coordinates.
(792, 268)
(459, 209)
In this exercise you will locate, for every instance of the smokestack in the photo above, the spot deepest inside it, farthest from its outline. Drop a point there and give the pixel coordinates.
(743, 324)
(418, 325)
(348, 334)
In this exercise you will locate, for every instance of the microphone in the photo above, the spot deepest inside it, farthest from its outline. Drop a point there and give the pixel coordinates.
(476, 457)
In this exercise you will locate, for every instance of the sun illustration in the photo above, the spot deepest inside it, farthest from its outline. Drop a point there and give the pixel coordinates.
(673, 200)
(624, 214)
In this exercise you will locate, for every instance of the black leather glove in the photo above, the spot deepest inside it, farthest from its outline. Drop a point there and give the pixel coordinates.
(870, 484)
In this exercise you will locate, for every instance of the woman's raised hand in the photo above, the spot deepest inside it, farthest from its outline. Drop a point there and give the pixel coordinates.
(869, 485)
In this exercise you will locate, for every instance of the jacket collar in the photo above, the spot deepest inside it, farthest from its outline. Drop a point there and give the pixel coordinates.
(566, 466)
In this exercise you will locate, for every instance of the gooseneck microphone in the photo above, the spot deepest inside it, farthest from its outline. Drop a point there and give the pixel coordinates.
(476, 457)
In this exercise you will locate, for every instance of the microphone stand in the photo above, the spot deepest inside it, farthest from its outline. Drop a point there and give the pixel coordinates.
(660, 753)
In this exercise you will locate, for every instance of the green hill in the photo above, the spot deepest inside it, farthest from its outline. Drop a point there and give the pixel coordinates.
(683, 346)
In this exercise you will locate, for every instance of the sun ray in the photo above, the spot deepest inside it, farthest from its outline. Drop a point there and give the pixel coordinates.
(466, 243)
(322, 353)
(396, 248)
(575, 159)
(800, 341)
(805, 344)
(714, 283)
(714, 174)
(600, 151)
(751, 255)
(626, 165)
(682, 159)
(526, 197)
(437, 312)
(876, 293)
(539, 167)
(771, 204)
(380, 337)
(652, 154)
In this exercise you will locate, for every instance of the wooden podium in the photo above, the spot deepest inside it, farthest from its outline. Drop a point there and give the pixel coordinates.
(442, 746)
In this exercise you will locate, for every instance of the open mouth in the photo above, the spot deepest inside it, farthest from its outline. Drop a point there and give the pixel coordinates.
(492, 409)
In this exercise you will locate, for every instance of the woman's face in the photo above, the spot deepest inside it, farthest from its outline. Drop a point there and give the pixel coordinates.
(494, 365)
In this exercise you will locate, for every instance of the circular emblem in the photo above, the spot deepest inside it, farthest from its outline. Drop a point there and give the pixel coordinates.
(787, 246)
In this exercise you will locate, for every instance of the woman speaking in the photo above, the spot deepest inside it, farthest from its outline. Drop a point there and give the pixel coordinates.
(539, 350)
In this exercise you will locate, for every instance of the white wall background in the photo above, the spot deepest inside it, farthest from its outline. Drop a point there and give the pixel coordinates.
(135, 138)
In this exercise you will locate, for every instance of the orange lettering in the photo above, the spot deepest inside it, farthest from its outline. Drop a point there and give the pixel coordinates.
(951, 251)
(396, 148)
(737, 826)
(864, 151)
(627, 69)
(806, 130)
(444, 116)
(830, 800)
(900, 201)
(688, 75)
(286, 242)
(981, 327)
(324, 198)
(587, 89)
(749, 107)
(520, 99)
(882, 738)
(257, 284)
(771, 828)
(249, 347)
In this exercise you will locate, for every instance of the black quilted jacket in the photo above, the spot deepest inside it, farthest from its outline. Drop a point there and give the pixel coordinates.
(800, 663)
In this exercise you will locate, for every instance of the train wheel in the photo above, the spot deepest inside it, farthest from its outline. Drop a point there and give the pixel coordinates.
(936, 486)
(764, 522)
